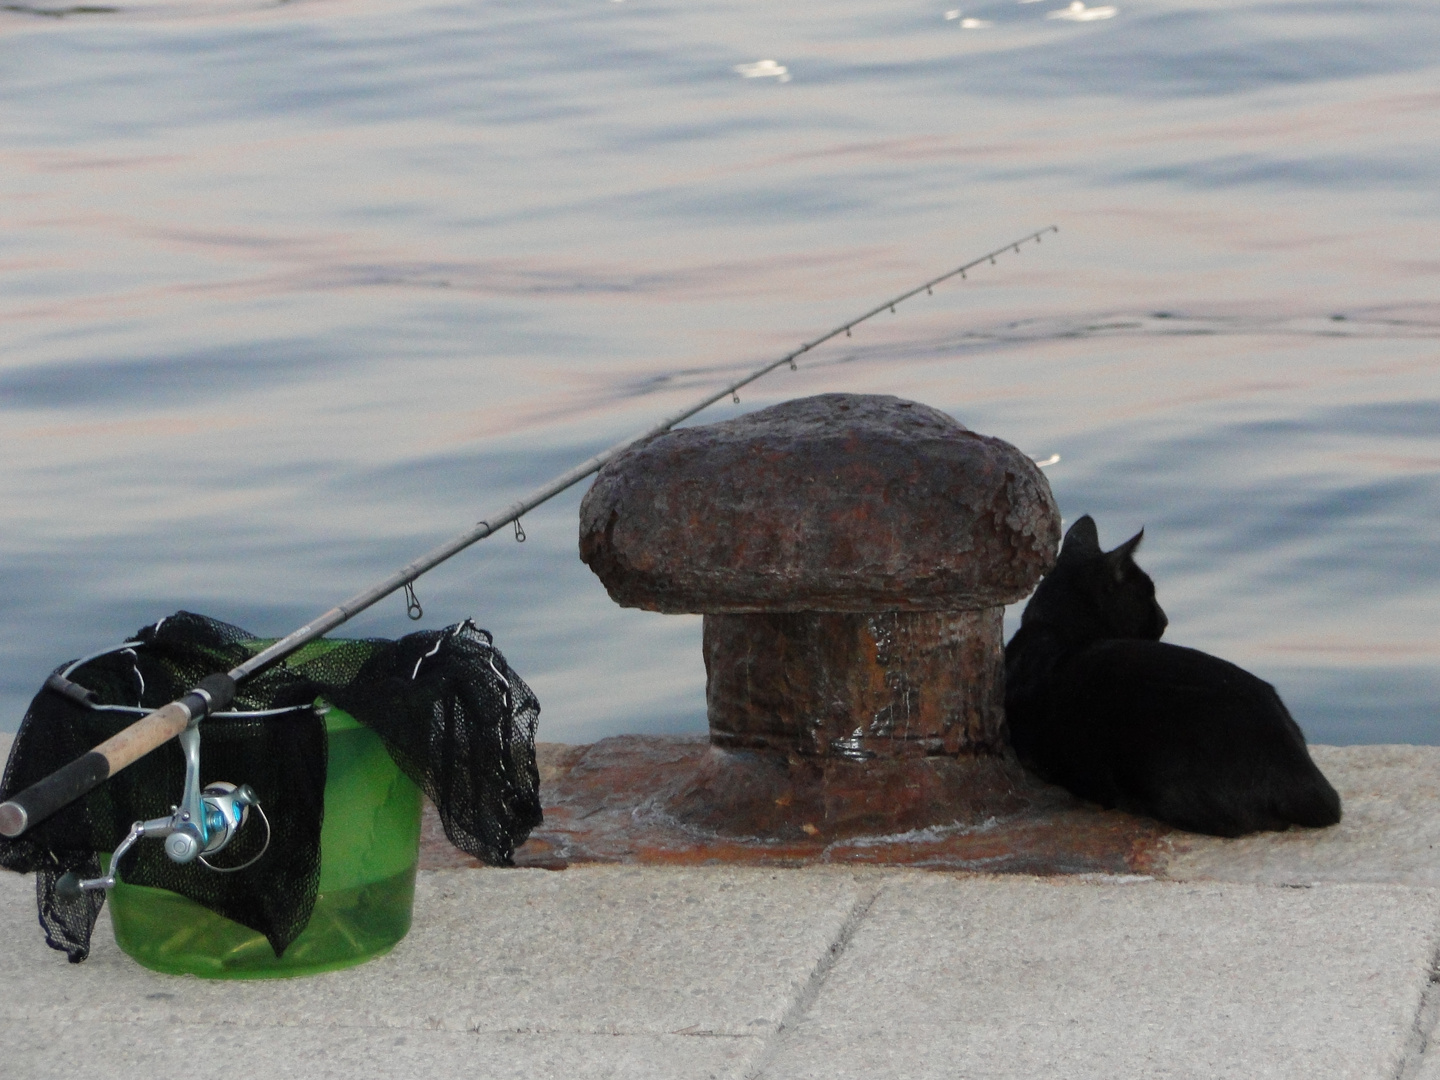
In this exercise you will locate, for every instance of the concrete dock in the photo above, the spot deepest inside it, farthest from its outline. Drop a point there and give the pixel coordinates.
(1302, 954)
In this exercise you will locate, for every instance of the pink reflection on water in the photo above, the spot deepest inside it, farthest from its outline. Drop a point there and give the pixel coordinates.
(1354, 650)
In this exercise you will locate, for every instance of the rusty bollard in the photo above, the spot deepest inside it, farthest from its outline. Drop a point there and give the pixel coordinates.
(852, 556)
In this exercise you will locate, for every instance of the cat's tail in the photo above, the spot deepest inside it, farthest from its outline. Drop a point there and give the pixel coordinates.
(1307, 799)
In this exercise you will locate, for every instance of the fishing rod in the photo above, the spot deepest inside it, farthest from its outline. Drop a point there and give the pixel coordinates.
(214, 693)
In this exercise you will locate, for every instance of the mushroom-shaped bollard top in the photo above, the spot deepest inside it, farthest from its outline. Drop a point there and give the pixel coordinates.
(840, 502)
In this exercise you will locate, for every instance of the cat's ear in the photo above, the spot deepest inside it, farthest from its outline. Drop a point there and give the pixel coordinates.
(1123, 554)
(1082, 540)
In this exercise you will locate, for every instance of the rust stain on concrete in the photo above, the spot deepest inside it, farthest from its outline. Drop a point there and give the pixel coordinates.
(605, 803)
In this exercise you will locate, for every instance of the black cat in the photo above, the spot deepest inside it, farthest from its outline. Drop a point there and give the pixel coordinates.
(1097, 704)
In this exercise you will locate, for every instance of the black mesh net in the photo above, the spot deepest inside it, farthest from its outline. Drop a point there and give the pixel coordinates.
(454, 716)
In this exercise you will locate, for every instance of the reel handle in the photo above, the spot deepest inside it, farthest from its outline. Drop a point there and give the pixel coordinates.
(87, 772)
(67, 886)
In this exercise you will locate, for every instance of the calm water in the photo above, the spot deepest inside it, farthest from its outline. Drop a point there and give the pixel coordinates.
(289, 293)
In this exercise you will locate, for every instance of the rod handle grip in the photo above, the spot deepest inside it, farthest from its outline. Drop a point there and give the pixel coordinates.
(85, 773)
(44, 797)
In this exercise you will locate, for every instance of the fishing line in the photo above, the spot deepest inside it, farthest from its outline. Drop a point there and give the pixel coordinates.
(215, 692)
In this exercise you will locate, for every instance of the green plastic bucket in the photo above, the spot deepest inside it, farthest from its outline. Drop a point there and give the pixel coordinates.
(369, 848)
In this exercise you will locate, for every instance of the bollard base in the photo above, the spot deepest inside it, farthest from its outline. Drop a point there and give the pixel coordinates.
(770, 795)
(610, 802)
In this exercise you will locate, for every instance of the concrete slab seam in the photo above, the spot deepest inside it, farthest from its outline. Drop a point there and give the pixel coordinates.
(811, 990)
(1422, 1031)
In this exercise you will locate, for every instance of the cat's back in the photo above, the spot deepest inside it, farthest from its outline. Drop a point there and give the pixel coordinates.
(1187, 737)
(1140, 674)
(1147, 698)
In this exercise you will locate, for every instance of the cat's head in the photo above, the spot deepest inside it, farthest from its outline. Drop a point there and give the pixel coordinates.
(1100, 593)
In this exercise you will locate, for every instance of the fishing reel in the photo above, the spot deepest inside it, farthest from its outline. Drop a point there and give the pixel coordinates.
(205, 822)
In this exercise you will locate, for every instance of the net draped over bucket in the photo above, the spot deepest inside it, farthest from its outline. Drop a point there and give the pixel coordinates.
(453, 715)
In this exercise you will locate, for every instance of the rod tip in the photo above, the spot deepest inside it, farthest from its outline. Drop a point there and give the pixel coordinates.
(13, 819)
